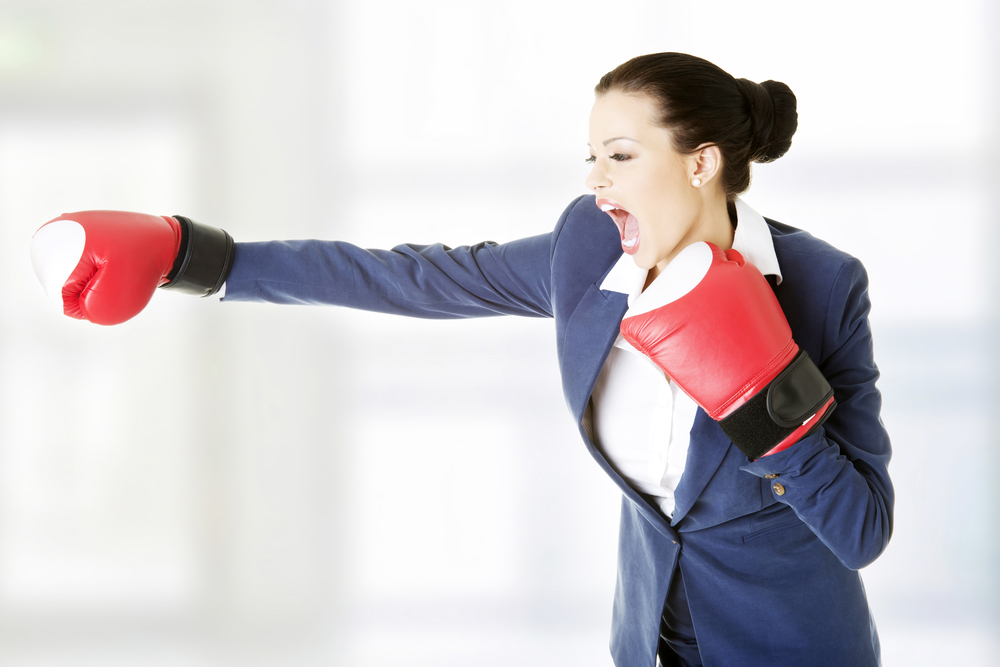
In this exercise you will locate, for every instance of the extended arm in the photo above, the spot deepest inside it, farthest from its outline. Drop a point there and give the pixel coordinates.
(432, 281)
(104, 266)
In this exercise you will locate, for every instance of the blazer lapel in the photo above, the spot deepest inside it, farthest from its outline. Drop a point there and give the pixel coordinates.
(590, 332)
(708, 449)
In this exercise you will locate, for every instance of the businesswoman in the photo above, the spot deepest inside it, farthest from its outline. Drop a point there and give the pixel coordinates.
(718, 364)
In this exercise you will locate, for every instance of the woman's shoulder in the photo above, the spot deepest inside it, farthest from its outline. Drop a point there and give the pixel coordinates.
(805, 256)
(823, 292)
(794, 240)
(585, 234)
(582, 215)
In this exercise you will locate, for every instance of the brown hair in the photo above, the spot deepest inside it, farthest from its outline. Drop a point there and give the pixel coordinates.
(702, 104)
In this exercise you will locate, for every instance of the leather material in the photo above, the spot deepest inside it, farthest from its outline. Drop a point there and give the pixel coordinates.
(125, 257)
(722, 342)
(726, 343)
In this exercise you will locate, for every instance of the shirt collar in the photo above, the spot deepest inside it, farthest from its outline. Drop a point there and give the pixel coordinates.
(752, 240)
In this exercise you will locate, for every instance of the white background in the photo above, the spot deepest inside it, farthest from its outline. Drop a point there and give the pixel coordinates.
(242, 484)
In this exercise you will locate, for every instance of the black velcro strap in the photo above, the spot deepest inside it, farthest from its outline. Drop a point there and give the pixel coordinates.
(204, 260)
(797, 393)
(773, 413)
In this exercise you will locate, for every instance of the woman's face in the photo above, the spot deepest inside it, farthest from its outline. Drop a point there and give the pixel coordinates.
(641, 181)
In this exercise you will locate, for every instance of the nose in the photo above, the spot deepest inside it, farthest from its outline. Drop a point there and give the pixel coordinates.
(597, 178)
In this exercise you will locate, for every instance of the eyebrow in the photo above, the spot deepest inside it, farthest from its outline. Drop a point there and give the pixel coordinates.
(608, 141)
(617, 138)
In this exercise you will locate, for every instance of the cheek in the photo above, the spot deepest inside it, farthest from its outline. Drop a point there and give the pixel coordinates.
(662, 190)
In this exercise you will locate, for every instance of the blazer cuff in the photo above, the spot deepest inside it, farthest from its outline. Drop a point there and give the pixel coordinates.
(790, 461)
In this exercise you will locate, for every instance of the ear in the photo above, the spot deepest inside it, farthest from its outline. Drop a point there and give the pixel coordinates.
(705, 163)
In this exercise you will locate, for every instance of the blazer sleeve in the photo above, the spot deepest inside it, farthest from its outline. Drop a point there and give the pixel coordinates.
(428, 281)
(837, 480)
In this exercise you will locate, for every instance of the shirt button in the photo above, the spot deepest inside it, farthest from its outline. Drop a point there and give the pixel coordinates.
(771, 476)
(778, 489)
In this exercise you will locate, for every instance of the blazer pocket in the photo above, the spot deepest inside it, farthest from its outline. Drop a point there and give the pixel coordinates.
(769, 521)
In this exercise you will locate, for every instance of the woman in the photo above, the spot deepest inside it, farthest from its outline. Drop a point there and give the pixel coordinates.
(750, 453)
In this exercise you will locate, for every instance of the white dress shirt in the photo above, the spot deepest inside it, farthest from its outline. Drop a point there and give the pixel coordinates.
(642, 421)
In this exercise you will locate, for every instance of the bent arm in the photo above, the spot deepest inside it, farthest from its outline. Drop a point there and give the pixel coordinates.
(432, 281)
(837, 480)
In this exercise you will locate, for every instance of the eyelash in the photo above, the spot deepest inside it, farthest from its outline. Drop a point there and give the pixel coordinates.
(617, 157)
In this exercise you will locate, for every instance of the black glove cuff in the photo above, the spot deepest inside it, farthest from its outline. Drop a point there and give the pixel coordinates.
(203, 261)
(788, 401)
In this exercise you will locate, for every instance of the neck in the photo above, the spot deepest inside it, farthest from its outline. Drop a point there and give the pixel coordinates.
(712, 224)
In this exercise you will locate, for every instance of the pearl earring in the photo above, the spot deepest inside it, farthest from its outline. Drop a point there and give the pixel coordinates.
(696, 182)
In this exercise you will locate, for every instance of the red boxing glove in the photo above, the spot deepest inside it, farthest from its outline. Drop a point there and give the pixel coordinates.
(103, 266)
(711, 322)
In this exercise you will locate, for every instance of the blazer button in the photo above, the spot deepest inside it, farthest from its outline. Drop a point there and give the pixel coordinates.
(778, 489)
(773, 475)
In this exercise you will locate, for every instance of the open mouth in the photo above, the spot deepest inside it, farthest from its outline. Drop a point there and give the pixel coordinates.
(628, 225)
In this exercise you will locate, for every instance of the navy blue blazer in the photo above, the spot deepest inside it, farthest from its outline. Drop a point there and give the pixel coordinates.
(769, 550)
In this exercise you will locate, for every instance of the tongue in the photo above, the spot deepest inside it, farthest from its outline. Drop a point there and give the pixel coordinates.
(630, 235)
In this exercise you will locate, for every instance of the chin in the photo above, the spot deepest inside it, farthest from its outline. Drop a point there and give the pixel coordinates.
(643, 264)
(644, 261)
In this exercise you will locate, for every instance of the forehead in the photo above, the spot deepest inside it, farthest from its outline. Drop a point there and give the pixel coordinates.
(616, 112)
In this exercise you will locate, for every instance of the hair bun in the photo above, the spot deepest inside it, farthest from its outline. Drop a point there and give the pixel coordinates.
(773, 118)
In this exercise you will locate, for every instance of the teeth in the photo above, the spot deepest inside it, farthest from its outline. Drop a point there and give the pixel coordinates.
(608, 207)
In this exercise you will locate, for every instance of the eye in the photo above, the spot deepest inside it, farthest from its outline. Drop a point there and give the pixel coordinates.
(591, 159)
(620, 157)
